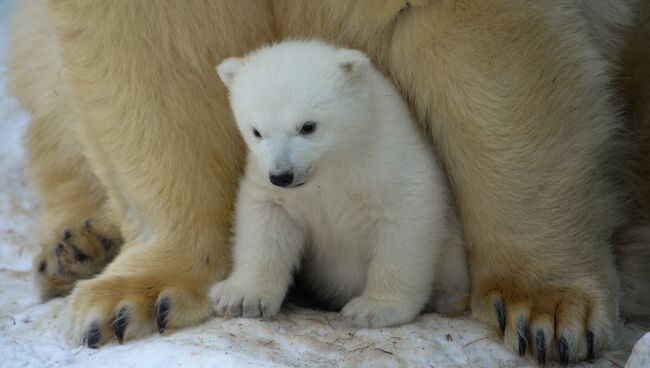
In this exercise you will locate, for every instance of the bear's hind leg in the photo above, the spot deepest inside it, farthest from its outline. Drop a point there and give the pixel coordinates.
(80, 252)
(67, 188)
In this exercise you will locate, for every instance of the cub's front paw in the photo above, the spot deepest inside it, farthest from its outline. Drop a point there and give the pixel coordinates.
(373, 312)
(235, 299)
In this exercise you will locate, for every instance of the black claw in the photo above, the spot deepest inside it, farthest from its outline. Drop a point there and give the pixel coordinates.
(42, 266)
(591, 355)
(91, 339)
(501, 315)
(67, 234)
(162, 309)
(120, 322)
(564, 351)
(522, 327)
(540, 347)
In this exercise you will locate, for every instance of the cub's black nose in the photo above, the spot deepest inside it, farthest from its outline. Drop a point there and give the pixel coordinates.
(282, 180)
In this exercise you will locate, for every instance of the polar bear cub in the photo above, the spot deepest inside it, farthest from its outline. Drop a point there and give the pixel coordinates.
(340, 187)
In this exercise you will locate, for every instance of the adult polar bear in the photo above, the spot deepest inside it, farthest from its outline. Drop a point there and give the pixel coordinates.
(132, 129)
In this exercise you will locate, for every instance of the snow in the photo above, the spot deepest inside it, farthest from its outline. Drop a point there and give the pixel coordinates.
(31, 332)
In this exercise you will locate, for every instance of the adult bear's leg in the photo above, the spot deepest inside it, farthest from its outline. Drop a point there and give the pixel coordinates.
(517, 95)
(633, 241)
(157, 123)
(518, 98)
(69, 191)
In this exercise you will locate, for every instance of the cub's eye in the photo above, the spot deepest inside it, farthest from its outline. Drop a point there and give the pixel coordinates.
(256, 133)
(308, 128)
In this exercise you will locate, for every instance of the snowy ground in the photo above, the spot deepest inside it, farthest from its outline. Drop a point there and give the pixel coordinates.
(30, 332)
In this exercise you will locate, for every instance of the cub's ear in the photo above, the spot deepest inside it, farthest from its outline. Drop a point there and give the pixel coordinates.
(352, 61)
(228, 69)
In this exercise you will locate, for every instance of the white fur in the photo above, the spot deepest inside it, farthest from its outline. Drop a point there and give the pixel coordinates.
(372, 226)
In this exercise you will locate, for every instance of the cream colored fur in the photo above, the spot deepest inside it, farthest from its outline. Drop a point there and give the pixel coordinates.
(139, 109)
(57, 167)
(517, 94)
(518, 97)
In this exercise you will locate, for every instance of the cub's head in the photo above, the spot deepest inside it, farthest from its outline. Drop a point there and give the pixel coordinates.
(300, 106)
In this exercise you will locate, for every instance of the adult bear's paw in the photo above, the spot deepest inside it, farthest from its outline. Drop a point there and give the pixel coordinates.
(564, 323)
(129, 306)
(80, 253)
